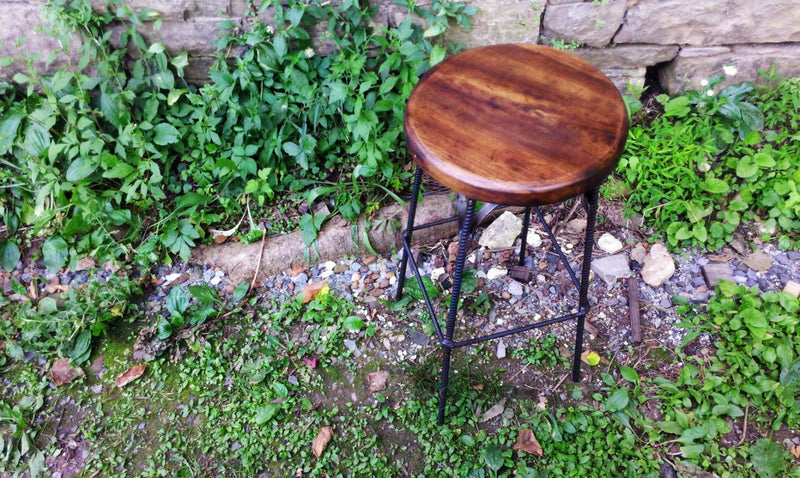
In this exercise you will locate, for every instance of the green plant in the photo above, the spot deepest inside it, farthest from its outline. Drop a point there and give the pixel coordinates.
(18, 437)
(65, 326)
(704, 168)
(134, 163)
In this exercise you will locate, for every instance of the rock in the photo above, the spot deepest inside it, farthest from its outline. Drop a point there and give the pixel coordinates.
(710, 22)
(714, 272)
(577, 226)
(502, 232)
(418, 337)
(352, 347)
(496, 272)
(533, 239)
(695, 64)
(515, 289)
(611, 268)
(501, 349)
(758, 261)
(592, 23)
(501, 21)
(638, 253)
(658, 266)
(627, 57)
(792, 288)
(609, 243)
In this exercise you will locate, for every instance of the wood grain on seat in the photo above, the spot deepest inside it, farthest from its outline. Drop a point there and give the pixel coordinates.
(516, 124)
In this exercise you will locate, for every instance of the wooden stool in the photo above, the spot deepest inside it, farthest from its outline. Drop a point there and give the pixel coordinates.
(517, 125)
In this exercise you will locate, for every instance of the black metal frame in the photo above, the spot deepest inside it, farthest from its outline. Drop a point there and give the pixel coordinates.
(466, 230)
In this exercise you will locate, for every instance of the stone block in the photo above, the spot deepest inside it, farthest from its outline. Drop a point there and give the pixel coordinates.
(593, 24)
(178, 9)
(628, 56)
(22, 37)
(501, 21)
(710, 22)
(692, 65)
(622, 77)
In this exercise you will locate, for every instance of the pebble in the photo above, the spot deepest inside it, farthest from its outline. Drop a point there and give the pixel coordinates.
(515, 288)
(609, 243)
(496, 272)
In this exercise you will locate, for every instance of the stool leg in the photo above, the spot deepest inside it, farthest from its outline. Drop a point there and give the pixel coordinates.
(591, 197)
(463, 246)
(526, 221)
(412, 211)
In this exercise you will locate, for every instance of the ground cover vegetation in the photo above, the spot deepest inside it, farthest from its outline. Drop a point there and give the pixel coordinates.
(120, 159)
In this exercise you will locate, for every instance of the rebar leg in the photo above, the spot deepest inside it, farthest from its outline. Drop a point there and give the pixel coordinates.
(463, 246)
(526, 221)
(412, 211)
(591, 197)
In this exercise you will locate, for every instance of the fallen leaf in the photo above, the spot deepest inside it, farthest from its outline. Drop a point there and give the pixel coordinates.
(527, 442)
(590, 357)
(97, 365)
(376, 381)
(323, 438)
(61, 372)
(478, 387)
(220, 238)
(110, 266)
(130, 375)
(311, 291)
(796, 451)
(85, 264)
(53, 286)
(297, 270)
(495, 411)
(310, 361)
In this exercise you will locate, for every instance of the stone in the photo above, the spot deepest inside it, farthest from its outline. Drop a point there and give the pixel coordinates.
(591, 23)
(502, 232)
(577, 226)
(500, 21)
(533, 239)
(693, 65)
(501, 349)
(792, 288)
(609, 243)
(710, 22)
(658, 266)
(715, 272)
(758, 261)
(611, 268)
(638, 253)
(515, 289)
(496, 272)
(627, 57)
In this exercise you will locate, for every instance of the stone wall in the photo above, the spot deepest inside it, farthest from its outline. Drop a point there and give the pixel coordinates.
(682, 41)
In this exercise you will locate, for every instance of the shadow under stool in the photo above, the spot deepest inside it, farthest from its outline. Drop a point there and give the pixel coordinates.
(514, 125)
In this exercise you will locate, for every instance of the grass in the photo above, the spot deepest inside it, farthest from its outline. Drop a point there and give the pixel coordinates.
(245, 401)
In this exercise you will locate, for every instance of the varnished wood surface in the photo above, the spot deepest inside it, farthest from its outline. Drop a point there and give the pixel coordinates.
(516, 124)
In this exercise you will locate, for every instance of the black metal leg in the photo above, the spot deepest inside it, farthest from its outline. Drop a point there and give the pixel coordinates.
(591, 197)
(412, 211)
(463, 246)
(526, 221)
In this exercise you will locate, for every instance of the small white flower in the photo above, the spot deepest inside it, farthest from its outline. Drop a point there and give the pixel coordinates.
(703, 82)
(704, 167)
(270, 30)
(309, 52)
(730, 70)
(710, 93)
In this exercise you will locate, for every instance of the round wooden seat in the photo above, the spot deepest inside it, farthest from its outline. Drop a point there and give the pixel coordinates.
(516, 124)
